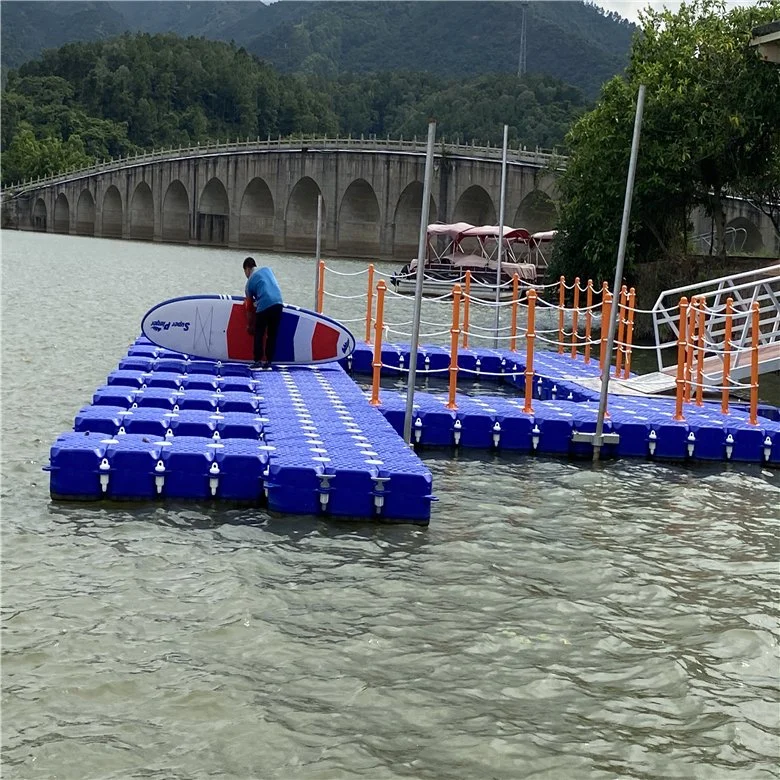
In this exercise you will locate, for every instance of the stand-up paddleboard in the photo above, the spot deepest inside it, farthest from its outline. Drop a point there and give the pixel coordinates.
(214, 327)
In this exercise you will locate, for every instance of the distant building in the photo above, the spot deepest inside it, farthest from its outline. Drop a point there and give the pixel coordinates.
(767, 39)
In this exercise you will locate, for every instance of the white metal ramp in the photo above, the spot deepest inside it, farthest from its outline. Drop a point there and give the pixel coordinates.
(760, 286)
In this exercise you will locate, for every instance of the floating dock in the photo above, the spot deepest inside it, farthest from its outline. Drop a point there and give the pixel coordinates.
(309, 440)
(301, 440)
(306, 440)
(565, 404)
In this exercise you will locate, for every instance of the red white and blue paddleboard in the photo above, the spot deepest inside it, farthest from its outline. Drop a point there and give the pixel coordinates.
(214, 327)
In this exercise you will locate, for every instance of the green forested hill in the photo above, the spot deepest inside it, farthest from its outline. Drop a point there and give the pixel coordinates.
(29, 27)
(107, 98)
(571, 41)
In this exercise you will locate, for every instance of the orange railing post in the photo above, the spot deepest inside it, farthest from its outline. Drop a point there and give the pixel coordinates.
(588, 318)
(630, 332)
(724, 396)
(454, 339)
(691, 331)
(561, 303)
(755, 331)
(575, 316)
(321, 287)
(515, 302)
(369, 302)
(681, 338)
(606, 313)
(700, 354)
(466, 309)
(530, 335)
(621, 331)
(378, 328)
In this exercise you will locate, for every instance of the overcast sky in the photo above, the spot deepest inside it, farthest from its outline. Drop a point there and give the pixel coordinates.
(630, 8)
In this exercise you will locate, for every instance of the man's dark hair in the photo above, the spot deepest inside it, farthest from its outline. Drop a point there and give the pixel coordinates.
(250, 263)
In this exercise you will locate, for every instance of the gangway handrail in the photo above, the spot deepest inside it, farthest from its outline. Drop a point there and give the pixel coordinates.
(761, 285)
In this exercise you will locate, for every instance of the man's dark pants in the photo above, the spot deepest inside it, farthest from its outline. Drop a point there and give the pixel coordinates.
(266, 329)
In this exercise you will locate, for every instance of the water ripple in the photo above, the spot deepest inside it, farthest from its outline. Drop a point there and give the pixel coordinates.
(556, 620)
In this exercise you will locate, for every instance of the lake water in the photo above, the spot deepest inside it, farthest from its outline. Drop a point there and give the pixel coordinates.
(556, 620)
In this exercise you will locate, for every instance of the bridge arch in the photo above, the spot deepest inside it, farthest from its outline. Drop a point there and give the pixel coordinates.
(256, 216)
(61, 214)
(475, 206)
(743, 237)
(213, 214)
(300, 220)
(85, 214)
(406, 220)
(39, 215)
(536, 212)
(358, 224)
(142, 213)
(175, 213)
(112, 214)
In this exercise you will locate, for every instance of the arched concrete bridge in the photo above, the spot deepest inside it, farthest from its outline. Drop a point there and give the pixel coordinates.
(263, 195)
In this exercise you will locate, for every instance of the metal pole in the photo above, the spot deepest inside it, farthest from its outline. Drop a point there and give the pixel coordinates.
(317, 251)
(597, 437)
(497, 317)
(419, 284)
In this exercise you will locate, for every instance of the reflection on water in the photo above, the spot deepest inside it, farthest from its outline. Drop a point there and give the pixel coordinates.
(555, 620)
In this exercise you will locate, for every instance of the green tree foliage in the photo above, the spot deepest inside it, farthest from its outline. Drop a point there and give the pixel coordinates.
(536, 107)
(30, 158)
(143, 92)
(711, 124)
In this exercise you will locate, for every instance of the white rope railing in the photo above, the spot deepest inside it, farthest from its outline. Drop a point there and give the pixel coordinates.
(344, 297)
(332, 270)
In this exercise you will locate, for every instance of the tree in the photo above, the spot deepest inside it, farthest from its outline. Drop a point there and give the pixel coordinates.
(20, 159)
(763, 190)
(28, 158)
(711, 121)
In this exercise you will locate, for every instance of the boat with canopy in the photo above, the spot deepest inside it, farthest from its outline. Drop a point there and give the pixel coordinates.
(453, 249)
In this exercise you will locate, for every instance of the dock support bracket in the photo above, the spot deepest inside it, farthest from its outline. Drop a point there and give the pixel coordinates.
(589, 437)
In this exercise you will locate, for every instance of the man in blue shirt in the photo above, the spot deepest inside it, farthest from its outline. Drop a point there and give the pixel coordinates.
(263, 289)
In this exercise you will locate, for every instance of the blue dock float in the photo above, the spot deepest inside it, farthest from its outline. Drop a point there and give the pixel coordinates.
(645, 430)
(305, 440)
(301, 440)
(562, 407)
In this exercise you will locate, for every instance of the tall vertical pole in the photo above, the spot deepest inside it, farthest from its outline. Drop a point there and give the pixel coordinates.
(317, 251)
(497, 317)
(369, 301)
(621, 256)
(419, 283)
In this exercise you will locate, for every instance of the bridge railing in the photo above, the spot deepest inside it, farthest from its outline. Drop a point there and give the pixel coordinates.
(521, 154)
(734, 239)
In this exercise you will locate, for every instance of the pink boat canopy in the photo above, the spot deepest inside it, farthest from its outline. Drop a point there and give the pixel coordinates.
(544, 235)
(455, 229)
(492, 231)
(460, 230)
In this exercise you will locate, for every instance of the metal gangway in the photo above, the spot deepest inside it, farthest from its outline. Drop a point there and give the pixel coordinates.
(726, 307)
